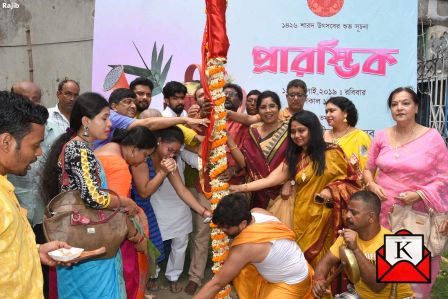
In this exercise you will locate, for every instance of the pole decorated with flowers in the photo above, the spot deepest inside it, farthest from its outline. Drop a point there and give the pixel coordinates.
(215, 45)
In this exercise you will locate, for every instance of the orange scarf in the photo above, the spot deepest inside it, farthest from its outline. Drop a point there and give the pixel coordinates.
(249, 284)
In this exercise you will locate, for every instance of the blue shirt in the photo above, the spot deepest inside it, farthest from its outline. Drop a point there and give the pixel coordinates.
(118, 122)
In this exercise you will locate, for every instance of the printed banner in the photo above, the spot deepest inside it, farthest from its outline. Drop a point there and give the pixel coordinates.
(358, 49)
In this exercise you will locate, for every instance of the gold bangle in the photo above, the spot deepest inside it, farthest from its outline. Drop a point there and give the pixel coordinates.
(233, 147)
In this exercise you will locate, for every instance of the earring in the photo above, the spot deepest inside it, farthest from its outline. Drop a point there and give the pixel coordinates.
(345, 119)
(86, 131)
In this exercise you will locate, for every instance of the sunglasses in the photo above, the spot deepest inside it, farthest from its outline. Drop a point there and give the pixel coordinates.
(329, 203)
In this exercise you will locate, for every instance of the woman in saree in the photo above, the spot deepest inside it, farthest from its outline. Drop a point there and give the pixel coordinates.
(82, 171)
(263, 147)
(324, 181)
(410, 163)
(342, 117)
(130, 148)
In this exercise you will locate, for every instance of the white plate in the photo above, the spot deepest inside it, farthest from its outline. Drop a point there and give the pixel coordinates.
(65, 255)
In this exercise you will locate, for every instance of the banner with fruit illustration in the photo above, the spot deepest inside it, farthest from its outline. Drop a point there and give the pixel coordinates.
(358, 49)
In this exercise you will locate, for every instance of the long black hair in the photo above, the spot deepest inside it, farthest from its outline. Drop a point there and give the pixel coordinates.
(316, 145)
(88, 104)
(140, 137)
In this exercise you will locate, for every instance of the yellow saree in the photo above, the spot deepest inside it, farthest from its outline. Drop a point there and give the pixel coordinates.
(315, 224)
(356, 146)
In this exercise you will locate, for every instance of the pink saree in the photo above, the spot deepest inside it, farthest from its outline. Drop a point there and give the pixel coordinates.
(421, 164)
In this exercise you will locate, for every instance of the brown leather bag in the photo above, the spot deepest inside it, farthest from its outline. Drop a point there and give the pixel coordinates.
(68, 219)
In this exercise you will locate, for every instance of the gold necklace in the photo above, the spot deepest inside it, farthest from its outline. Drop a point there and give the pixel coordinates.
(397, 151)
(302, 167)
(336, 140)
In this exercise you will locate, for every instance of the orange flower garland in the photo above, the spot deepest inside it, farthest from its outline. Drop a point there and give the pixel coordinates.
(218, 164)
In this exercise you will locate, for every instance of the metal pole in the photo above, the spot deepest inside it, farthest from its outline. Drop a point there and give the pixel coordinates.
(30, 52)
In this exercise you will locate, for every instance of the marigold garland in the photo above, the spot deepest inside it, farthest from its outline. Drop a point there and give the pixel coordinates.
(220, 101)
(219, 84)
(214, 70)
(217, 143)
(221, 115)
(220, 188)
(217, 158)
(216, 171)
(218, 163)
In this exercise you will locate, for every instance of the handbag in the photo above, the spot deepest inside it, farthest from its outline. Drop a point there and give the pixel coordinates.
(68, 219)
(426, 224)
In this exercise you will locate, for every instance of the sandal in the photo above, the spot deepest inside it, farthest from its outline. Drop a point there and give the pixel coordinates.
(153, 285)
(175, 286)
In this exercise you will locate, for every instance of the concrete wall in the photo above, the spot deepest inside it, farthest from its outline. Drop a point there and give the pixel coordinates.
(61, 37)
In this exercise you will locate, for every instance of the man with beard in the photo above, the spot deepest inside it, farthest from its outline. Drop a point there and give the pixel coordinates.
(142, 87)
(234, 99)
(364, 236)
(21, 132)
(174, 98)
(264, 259)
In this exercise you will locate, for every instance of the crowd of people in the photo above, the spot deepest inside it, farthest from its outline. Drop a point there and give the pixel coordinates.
(343, 185)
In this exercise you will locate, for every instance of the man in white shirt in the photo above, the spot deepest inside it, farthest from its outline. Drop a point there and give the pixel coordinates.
(174, 99)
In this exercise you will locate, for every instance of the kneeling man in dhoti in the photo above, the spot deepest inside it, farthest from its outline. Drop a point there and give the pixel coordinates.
(264, 259)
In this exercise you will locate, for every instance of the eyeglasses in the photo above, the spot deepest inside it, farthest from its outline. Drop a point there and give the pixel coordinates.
(329, 203)
(230, 94)
(296, 95)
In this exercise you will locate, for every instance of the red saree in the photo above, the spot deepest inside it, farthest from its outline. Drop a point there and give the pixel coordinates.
(262, 156)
